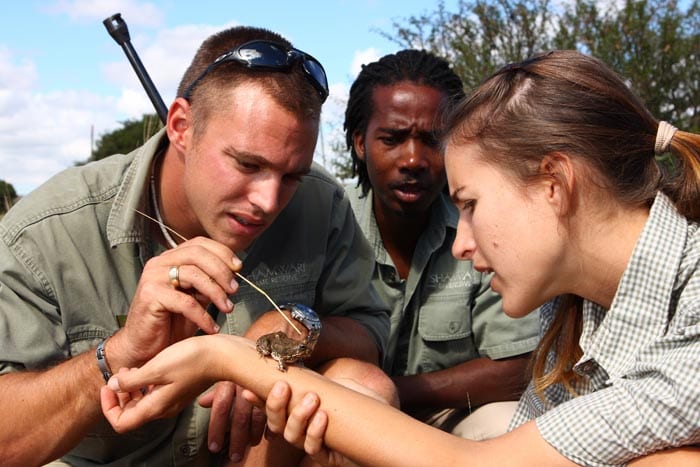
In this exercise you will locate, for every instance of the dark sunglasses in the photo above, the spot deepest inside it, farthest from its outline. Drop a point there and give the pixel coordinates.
(271, 56)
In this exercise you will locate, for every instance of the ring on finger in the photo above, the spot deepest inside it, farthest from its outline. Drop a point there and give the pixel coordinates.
(174, 276)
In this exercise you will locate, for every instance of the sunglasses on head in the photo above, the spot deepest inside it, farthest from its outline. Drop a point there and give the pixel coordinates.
(270, 56)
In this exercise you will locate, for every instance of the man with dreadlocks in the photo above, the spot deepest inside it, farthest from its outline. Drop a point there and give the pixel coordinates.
(451, 348)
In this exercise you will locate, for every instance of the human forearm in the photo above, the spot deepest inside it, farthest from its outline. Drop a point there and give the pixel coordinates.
(45, 414)
(360, 427)
(370, 432)
(344, 337)
(674, 457)
(182, 370)
(476, 382)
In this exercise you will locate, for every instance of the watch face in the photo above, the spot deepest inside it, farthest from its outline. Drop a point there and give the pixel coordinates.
(305, 316)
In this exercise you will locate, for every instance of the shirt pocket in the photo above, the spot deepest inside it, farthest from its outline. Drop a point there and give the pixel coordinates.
(445, 331)
(85, 337)
(686, 322)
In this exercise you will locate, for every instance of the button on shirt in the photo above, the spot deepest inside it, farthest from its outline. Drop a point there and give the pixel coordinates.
(641, 358)
(445, 312)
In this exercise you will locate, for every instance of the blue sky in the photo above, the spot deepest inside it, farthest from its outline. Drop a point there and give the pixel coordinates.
(62, 76)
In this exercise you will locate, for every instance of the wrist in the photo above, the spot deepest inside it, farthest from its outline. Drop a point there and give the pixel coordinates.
(216, 352)
(117, 353)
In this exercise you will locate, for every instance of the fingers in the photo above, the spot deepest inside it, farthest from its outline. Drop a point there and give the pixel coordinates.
(253, 399)
(206, 266)
(314, 444)
(276, 406)
(127, 382)
(207, 399)
(305, 427)
(295, 430)
(110, 405)
(180, 302)
(204, 271)
(127, 417)
(245, 431)
(241, 424)
(258, 422)
(220, 399)
(112, 409)
(126, 397)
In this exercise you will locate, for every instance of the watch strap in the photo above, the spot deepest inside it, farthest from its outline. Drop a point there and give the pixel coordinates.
(102, 360)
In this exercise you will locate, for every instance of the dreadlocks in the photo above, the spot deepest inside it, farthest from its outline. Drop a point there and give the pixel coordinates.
(415, 66)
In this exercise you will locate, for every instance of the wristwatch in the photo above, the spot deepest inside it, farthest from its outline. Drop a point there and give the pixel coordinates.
(308, 318)
(102, 360)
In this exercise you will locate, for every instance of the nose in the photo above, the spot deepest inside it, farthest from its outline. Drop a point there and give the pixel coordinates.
(414, 157)
(464, 246)
(264, 194)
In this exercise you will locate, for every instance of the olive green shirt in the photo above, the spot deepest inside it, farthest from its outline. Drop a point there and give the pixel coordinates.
(445, 313)
(72, 252)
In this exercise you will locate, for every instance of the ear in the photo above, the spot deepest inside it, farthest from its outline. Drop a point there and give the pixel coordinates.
(358, 141)
(559, 178)
(179, 124)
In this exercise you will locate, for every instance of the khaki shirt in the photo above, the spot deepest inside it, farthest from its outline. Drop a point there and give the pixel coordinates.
(445, 312)
(72, 252)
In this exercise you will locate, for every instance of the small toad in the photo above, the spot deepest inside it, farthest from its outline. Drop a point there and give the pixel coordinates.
(282, 349)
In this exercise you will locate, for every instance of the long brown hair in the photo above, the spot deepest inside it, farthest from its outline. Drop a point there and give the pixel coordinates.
(566, 102)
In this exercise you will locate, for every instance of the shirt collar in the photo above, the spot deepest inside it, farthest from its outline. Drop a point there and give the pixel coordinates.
(639, 310)
(444, 216)
(125, 225)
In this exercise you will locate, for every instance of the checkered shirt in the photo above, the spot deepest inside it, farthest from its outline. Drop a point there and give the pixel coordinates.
(641, 364)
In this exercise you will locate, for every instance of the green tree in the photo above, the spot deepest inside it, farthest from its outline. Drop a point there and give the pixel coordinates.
(341, 164)
(653, 43)
(131, 135)
(479, 36)
(8, 196)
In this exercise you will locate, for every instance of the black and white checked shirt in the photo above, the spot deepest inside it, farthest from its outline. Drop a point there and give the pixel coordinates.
(641, 357)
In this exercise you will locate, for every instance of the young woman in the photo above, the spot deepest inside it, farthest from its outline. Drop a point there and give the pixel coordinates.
(552, 163)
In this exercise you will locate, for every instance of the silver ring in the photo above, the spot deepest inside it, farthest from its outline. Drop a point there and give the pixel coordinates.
(174, 276)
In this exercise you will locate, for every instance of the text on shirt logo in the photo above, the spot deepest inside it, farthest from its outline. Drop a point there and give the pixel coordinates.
(293, 272)
(449, 281)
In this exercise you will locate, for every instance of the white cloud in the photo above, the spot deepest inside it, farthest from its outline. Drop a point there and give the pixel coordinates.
(134, 103)
(13, 75)
(331, 132)
(43, 133)
(363, 57)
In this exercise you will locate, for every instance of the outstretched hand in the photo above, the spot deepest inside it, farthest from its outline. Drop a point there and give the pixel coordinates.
(162, 387)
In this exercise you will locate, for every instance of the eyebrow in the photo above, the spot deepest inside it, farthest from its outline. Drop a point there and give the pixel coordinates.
(261, 161)
(407, 130)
